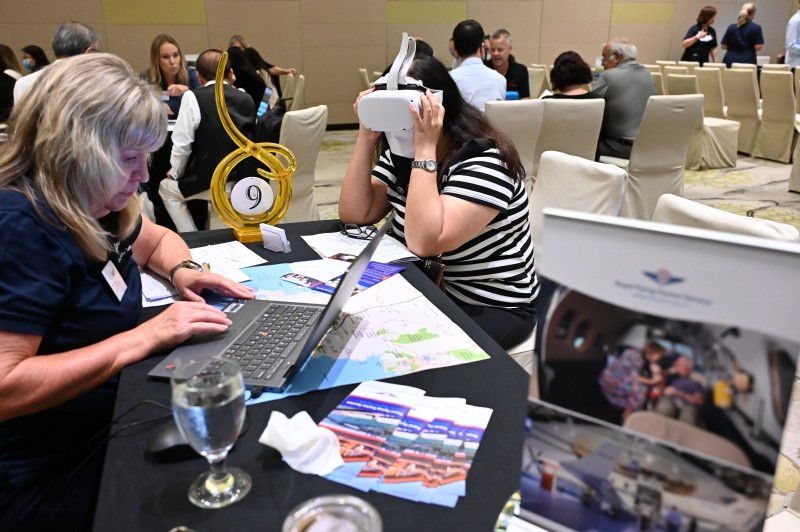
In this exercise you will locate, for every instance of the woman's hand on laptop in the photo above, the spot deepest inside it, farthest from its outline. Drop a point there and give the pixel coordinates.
(191, 283)
(181, 321)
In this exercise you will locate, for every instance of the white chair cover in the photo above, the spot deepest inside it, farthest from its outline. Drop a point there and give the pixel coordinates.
(672, 209)
(653, 68)
(658, 156)
(781, 67)
(302, 132)
(665, 63)
(299, 100)
(520, 120)
(289, 81)
(794, 176)
(658, 80)
(691, 65)
(720, 66)
(742, 101)
(680, 70)
(776, 134)
(570, 182)
(569, 126)
(709, 82)
(537, 81)
(682, 84)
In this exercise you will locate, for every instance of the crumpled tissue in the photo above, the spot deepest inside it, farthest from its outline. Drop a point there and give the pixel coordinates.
(305, 446)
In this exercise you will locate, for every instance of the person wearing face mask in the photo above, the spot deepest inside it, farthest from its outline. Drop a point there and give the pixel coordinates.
(70, 292)
(455, 184)
(33, 58)
(168, 72)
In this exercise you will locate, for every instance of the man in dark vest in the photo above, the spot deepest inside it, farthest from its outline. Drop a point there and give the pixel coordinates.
(199, 141)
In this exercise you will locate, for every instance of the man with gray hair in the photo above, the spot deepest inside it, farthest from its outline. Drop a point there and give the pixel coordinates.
(69, 39)
(503, 62)
(626, 86)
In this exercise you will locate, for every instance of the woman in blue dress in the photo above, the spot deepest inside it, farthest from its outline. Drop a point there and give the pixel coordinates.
(700, 42)
(743, 39)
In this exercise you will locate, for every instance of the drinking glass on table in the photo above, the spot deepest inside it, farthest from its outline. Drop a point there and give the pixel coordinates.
(208, 406)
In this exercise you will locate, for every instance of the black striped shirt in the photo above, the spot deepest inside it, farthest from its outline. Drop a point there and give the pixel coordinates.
(496, 267)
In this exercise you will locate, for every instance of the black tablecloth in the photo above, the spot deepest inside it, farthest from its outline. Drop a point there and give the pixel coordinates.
(141, 492)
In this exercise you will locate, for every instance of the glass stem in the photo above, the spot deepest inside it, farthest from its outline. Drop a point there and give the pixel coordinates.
(218, 469)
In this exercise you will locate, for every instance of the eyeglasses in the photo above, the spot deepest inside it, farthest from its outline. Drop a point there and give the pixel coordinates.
(365, 232)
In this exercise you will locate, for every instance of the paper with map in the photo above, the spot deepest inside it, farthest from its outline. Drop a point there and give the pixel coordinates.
(388, 330)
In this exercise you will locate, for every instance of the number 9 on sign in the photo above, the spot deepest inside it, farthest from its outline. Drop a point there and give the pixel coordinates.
(252, 196)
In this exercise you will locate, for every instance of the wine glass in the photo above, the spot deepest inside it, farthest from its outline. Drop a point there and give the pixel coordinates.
(208, 406)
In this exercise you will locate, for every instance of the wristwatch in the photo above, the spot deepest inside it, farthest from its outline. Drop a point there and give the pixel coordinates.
(428, 165)
(192, 265)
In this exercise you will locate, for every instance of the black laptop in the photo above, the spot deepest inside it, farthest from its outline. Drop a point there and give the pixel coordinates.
(271, 341)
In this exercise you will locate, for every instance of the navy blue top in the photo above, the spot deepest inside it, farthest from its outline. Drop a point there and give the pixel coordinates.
(699, 51)
(174, 102)
(49, 289)
(741, 43)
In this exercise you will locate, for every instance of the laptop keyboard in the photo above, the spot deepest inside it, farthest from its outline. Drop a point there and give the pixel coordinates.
(278, 331)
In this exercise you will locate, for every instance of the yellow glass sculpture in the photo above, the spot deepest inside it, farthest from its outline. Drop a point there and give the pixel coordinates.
(244, 219)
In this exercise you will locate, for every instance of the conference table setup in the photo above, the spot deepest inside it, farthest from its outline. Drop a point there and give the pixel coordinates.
(142, 490)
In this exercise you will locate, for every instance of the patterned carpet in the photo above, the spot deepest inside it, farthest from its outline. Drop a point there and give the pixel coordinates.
(756, 187)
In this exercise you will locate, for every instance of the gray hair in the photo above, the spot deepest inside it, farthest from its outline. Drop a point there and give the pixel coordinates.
(623, 48)
(73, 38)
(502, 32)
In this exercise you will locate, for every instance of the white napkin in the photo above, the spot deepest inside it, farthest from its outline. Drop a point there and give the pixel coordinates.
(306, 447)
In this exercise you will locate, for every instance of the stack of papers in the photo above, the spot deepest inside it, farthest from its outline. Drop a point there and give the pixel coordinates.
(396, 440)
(337, 245)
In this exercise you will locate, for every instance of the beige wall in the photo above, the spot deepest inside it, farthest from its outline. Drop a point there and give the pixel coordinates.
(328, 40)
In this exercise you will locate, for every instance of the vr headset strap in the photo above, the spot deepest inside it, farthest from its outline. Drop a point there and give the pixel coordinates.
(401, 63)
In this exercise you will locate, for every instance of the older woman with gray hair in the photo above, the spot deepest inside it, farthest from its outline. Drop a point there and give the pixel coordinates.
(70, 293)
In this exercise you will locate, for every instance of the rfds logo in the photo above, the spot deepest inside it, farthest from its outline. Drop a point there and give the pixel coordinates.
(663, 277)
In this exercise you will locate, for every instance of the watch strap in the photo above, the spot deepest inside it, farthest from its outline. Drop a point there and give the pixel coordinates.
(190, 264)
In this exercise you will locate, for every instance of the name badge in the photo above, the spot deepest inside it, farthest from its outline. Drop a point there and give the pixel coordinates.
(114, 280)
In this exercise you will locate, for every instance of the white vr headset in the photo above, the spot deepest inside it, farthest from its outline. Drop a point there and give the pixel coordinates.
(386, 108)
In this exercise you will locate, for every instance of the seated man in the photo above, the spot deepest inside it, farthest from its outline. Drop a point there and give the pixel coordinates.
(477, 83)
(626, 86)
(682, 397)
(503, 62)
(199, 141)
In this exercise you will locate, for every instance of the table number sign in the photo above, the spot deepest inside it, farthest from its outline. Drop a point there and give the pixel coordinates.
(251, 201)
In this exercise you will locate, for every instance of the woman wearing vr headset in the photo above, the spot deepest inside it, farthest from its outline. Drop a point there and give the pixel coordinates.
(459, 196)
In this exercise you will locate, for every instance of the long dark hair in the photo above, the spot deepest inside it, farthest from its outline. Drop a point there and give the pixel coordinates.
(462, 121)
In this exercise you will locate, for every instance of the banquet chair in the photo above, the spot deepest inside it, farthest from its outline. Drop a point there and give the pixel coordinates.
(572, 182)
(719, 66)
(779, 67)
(794, 174)
(658, 156)
(709, 82)
(363, 79)
(520, 120)
(691, 65)
(776, 133)
(569, 126)
(665, 63)
(668, 69)
(797, 89)
(713, 142)
(537, 80)
(673, 209)
(658, 81)
(653, 68)
(302, 132)
(742, 105)
(288, 88)
(762, 60)
(744, 66)
(299, 99)
(682, 84)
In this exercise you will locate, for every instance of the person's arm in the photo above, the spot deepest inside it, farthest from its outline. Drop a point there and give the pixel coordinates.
(280, 71)
(436, 223)
(160, 250)
(693, 36)
(714, 55)
(183, 134)
(362, 199)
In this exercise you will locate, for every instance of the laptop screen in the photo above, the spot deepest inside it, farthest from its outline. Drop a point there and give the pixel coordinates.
(665, 370)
